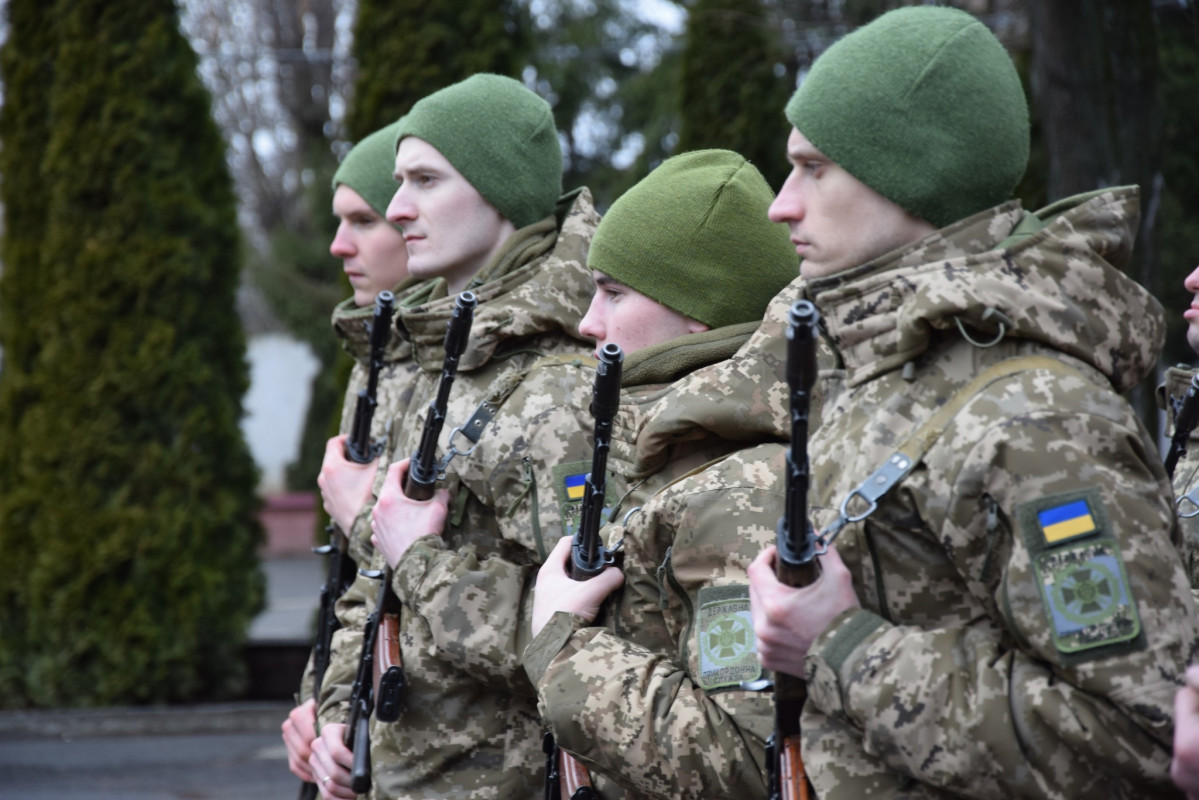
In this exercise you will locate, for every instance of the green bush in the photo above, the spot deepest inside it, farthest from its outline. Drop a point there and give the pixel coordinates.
(132, 485)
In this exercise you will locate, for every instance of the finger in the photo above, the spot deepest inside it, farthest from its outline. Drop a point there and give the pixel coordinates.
(609, 579)
(762, 566)
(561, 551)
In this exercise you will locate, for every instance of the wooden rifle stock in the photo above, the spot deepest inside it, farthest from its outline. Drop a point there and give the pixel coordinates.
(360, 450)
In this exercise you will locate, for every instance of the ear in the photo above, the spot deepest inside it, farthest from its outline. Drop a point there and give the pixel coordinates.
(695, 326)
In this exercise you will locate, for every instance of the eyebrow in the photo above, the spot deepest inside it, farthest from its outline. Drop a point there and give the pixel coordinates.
(416, 166)
(604, 282)
(805, 154)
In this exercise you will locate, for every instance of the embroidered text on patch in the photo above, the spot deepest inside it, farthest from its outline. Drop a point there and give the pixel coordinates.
(725, 637)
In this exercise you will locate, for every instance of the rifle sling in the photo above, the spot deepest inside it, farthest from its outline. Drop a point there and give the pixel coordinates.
(905, 458)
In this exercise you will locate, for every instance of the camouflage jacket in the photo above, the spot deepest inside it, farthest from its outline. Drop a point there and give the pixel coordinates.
(1025, 617)
(653, 705)
(393, 392)
(459, 734)
(1186, 471)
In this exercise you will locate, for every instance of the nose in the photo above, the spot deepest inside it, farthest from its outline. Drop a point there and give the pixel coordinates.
(1192, 281)
(787, 206)
(342, 245)
(590, 325)
(400, 209)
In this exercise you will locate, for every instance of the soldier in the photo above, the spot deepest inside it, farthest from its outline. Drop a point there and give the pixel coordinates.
(374, 259)
(1185, 767)
(481, 205)
(1011, 618)
(652, 702)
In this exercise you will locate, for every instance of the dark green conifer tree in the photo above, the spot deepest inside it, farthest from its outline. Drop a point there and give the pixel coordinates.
(406, 49)
(27, 67)
(735, 85)
(143, 577)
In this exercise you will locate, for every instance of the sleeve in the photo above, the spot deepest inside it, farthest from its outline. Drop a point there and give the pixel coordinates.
(1061, 526)
(670, 721)
(352, 610)
(477, 609)
(477, 598)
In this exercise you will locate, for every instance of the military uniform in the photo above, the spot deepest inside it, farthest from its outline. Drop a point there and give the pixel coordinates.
(1186, 471)
(393, 393)
(1025, 617)
(467, 729)
(653, 705)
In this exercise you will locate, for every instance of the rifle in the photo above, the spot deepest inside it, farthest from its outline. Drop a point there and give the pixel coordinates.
(379, 683)
(1186, 415)
(798, 549)
(361, 450)
(565, 777)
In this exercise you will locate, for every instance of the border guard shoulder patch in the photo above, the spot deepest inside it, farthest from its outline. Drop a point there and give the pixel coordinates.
(1080, 575)
(724, 634)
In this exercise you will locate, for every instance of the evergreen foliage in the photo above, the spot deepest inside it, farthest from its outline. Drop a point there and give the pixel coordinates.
(612, 80)
(407, 49)
(144, 577)
(26, 62)
(735, 85)
(1178, 216)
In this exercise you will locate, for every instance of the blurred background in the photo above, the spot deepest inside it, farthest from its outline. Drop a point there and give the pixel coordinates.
(168, 376)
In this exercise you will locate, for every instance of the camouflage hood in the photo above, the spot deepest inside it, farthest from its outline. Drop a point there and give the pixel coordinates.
(352, 323)
(739, 401)
(1054, 277)
(542, 277)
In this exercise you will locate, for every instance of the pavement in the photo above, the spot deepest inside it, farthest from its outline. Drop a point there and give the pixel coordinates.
(179, 752)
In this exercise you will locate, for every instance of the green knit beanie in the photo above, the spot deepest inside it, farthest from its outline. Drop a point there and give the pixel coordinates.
(693, 235)
(500, 136)
(924, 106)
(369, 168)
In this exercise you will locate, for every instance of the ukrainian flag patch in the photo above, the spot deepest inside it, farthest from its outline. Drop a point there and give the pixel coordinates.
(575, 486)
(1066, 521)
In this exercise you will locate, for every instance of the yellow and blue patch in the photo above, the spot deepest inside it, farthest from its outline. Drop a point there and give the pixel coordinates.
(575, 486)
(1066, 521)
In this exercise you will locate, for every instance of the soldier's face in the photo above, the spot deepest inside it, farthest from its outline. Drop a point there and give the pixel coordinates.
(630, 319)
(372, 252)
(836, 221)
(450, 230)
(1191, 315)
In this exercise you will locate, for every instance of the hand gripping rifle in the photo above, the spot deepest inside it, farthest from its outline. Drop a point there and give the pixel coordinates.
(361, 450)
(379, 684)
(1186, 415)
(798, 548)
(565, 777)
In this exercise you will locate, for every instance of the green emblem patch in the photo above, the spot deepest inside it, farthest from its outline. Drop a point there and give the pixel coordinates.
(1080, 575)
(725, 637)
(1086, 596)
